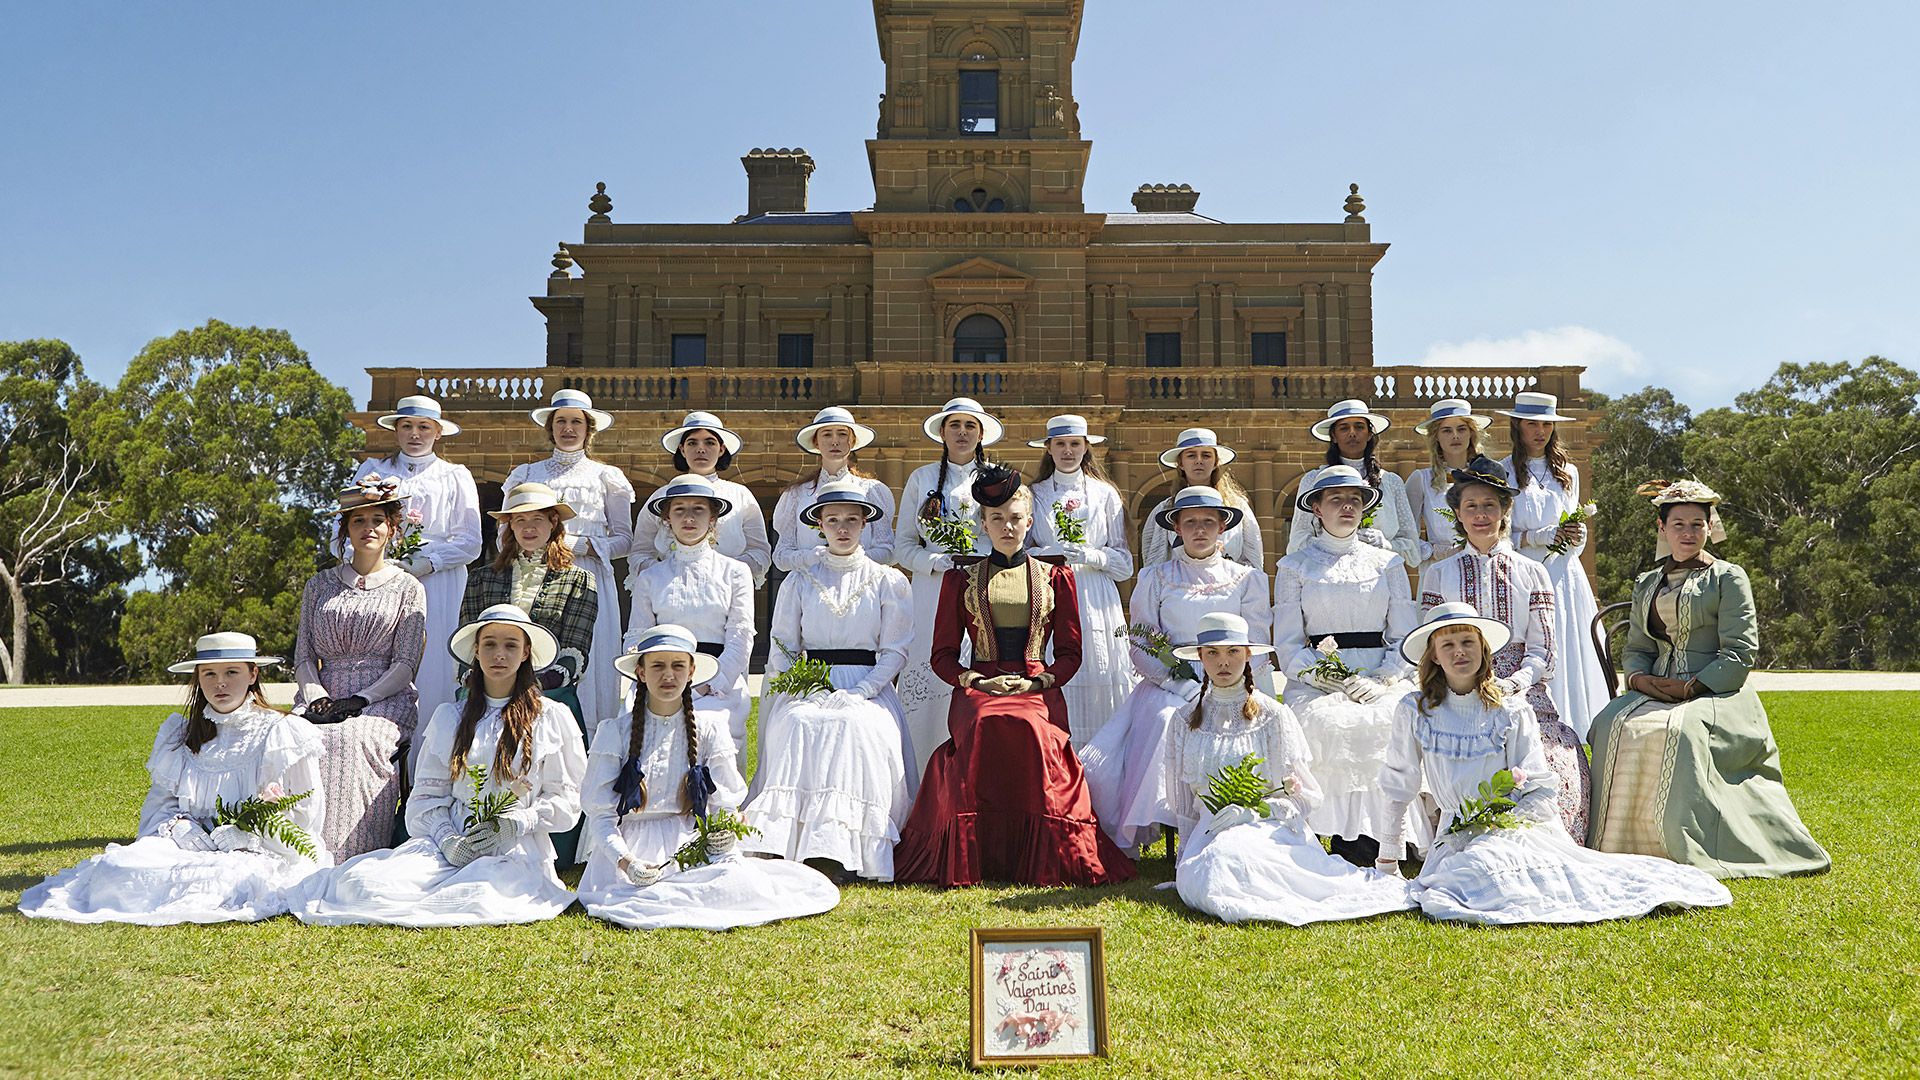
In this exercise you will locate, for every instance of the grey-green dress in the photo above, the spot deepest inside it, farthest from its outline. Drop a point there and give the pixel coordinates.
(1697, 782)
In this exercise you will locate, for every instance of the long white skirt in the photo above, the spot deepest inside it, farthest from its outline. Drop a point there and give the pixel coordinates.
(1106, 675)
(154, 882)
(831, 783)
(1579, 686)
(728, 892)
(1241, 868)
(924, 696)
(1538, 874)
(601, 687)
(414, 885)
(846, 677)
(1126, 764)
(1348, 744)
(438, 677)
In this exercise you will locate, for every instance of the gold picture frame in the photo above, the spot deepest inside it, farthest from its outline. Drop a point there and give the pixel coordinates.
(1037, 995)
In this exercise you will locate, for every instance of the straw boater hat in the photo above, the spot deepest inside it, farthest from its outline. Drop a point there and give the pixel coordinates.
(545, 647)
(667, 637)
(370, 490)
(1221, 628)
(700, 421)
(421, 407)
(1444, 616)
(223, 648)
(570, 398)
(1198, 497)
(833, 416)
(990, 429)
(1666, 492)
(1350, 408)
(840, 492)
(1337, 476)
(689, 486)
(1528, 405)
(1447, 409)
(1062, 426)
(531, 495)
(1196, 436)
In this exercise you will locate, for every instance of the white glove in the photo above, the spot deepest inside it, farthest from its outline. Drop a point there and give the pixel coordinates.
(864, 690)
(942, 563)
(1326, 684)
(417, 565)
(1387, 865)
(235, 838)
(1509, 687)
(642, 875)
(1373, 537)
(497, 837)
(813, 557)
(721, 842)
(188, 834)
(1363, 690)
(459, 850)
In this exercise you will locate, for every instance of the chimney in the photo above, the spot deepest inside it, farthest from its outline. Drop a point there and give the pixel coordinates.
(1165, 199)
(777, 180)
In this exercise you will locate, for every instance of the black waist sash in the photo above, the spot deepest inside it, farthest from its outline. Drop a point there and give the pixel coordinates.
(843, 657)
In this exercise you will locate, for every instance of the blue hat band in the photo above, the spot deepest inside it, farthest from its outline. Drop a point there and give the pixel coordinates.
(1060, 432)
(224, 654)
(665, 643)
(1184, 443)
(1199, 503)
(418, 410)
(1450, 412)
(1218, 637)
(569, 399)
(1534, 410)
(1342, 415)
(688, 491)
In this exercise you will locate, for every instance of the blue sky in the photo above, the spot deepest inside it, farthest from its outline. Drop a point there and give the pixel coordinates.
(1687, 194)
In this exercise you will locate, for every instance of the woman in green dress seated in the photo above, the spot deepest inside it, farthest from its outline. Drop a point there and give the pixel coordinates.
(1684, 764)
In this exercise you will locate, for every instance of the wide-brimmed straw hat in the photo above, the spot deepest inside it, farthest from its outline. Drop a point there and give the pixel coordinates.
(833, 416)
(667, 637)
(570, 398)
(1192, 437)
(1198, 497)
(1063, 426)
(223, 648)
(990, 429)
(1447, 409)
(839, 493)
(1221, 628)
(370, 490)
(1336, 476)
(689, 486)
(1446, 616)
(701, 421)
(420, 407)
(1352, 408)
(1532, 405)
(530, 496)
(544, 646)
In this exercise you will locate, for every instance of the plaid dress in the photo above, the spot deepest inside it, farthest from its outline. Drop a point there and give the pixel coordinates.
(565, 604)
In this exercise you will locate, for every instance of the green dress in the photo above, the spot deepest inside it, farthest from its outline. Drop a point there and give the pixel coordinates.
(1698, 782)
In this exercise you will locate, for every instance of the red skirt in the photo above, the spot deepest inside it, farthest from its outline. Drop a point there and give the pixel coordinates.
(1003, 799)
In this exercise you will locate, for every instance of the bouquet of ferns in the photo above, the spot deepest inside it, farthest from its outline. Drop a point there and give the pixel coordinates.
(802, 677)
(1243, 785)
(487, 806)
(265, 815)
(697, 851)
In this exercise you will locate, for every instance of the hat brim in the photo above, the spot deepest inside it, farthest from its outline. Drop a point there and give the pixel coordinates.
(187, 667)
(1479, 422)
(1041, 444)
(1223, 454)
(863, 435)
(810, 515)
(447, 427)
(1323, 429)
(990, 429)
(1192, 652)
(1168, 518)
(602, 419)
(704, 667)
(728, 440)
(503, 514)
(1415, 646)
(1373, 496)
(341, 510)
(545, 645)
(657, 506)
(1549, 418)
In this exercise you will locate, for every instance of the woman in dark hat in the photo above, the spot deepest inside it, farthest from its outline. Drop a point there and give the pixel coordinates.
(1004, 798)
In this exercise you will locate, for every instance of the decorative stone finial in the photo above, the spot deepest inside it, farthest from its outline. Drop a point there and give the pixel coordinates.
(601, 206)
(1355, 205)
(562, 262)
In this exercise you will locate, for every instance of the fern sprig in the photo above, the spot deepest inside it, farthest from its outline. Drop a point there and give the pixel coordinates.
(266, 818)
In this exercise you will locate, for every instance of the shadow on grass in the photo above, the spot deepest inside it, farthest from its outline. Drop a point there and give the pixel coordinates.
(38, 847)
(1139, 892)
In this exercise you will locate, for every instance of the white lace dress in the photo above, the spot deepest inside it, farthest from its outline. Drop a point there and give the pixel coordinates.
(600, 532)
(415, 885)
(1126, 762)
(795, 545)
(832, 778)
(1439, 540)
(1106, 673)
(1240, 866)
(1342, 586)
(1578, 686)
(449, 504)
(1242, 543)
(153, 881)
(741, 534)
(1392, 518)
(924, 697)
(712, 596)
(1534, 874)
(730, 891)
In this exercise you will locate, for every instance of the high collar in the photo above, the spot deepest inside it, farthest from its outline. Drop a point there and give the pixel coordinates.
(416, 464)
(1180, 555)
(1699, 562)
(826, 477)
(1505, 544)
(1226, 695)
(1018, 558)
(217, 716)
(844, 562)
(568, 458)
(1354, 462)
(1339, 545)
(497, 702)
(690, 553)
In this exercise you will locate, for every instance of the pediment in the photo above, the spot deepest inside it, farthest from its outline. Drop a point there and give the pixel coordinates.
(977, 276)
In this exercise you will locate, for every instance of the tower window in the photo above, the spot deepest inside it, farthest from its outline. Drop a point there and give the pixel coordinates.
(1163, 350)
(979, 102)
(979, 339)
(981, 201)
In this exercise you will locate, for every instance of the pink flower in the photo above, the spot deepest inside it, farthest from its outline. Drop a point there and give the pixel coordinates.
(415, 517)
(1519, 776)
(273, 792)
(1073, 503)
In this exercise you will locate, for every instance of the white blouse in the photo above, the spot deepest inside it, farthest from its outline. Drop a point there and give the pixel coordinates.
(597, 493)
(251, 748)
(796, 544)
(845, 602)
(910, 548)
(1225, 737)
(548, 791)
(1392, 517)
(1173, 595)
(1459, 743)
(1337, 585)
(1442, 540)
(663, 761)
(1506, 586)
(742, 533)
(704, 591)
(444, 494)
(1537, 507)
(1242, 543)
(1097, 505)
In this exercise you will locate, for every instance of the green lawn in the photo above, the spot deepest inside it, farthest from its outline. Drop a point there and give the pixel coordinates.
(1817, 976)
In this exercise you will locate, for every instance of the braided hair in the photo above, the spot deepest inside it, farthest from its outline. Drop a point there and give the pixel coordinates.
(1249, 709)
(637, 735)
(936, 502)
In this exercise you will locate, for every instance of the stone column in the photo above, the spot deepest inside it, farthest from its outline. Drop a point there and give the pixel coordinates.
(645, 353)
(1229, 331)
(752, 354)
(1203, 329)
(623, 326)
(1336, 327)
(837, 351)
(1310, 324)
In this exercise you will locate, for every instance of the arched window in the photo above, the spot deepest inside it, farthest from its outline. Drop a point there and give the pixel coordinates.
(979, 339)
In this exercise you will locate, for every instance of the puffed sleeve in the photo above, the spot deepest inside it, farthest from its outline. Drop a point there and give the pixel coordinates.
(303, 774)
(1066, 625)
(1537, 797)
(618, 494)
(554, 804)
(896, 629)
(598, 799)
(306, 661)
(719, 755)
(461, 545)
(640, 618)
(1542, 652)
(787, 609)
(1405, 541)
(949, 626)
(1400, 776)
(738, 646)
(1417, 496)
(163, 768)
(1300, 526)
(647, 542)
(1253, 543)
(877, 538)
(910, 548)
(1143, 609)
(1288, 749)
(1293, 653)
(1156, 543)
(1739, 633)
(430, 803)
(753, 525)
(794, 543)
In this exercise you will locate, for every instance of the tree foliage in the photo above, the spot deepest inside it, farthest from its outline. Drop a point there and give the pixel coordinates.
(232, 447)
(1637, 438)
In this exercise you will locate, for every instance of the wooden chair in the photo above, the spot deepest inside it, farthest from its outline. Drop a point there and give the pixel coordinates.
(1608, 623)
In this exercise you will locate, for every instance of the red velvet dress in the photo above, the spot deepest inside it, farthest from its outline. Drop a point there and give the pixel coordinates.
(1003, 799)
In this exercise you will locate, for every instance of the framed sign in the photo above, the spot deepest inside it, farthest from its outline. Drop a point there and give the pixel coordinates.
(1038, 995)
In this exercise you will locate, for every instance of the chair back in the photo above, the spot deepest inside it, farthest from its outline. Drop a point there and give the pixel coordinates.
(1610, 622)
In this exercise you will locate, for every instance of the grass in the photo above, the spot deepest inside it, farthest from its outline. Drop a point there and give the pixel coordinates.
(1814, 976)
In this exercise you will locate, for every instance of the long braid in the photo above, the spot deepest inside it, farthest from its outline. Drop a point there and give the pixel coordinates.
(693, 745)
(1250, 709)
(637, 732)
(936, 501)
(1200, 704)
